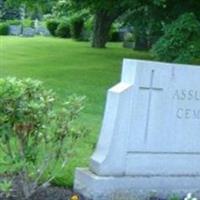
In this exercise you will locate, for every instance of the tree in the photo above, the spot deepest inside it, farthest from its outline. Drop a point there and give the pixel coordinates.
(180, 42)
(150, 17)
(8, 11)
(105, 13)
(35, 8)
(1, 9)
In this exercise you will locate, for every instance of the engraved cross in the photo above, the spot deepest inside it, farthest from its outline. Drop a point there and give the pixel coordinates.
(150, 88)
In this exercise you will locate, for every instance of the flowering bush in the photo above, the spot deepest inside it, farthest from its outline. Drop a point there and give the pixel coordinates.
(36, 135)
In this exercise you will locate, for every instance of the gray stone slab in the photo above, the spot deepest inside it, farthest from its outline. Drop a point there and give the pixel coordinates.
(41, 30)
(28, 32)
(15, 30)
(95, 187)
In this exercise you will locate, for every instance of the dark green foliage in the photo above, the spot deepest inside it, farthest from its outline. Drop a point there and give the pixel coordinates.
(14, 22)
(25, 23)
(52, 26)
(77, 25)
(59, 28)
(81, 24)
(63, 30)
(115, 36)
(179, 42)
(36, 12)
(86, 33)
(4, 29)
(105, 13)
(61, 8)
(9, 11)
(1, 9)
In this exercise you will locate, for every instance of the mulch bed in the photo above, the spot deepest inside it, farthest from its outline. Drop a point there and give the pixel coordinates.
(49, 193)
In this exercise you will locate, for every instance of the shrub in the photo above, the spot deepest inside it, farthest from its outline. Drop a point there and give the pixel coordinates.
(28, 23)
(52, 26)
(77, 25)
(179, 42)
(25, 22)
(6, 187)
(4, 29)
(14, 22)
(63, 30)
(36, 134)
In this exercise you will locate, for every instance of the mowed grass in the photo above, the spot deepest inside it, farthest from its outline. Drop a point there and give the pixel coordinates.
(68, 67)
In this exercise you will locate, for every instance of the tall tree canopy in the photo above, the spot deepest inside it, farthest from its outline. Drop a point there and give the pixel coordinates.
(147, 16)
(105, 13)
(150, 17)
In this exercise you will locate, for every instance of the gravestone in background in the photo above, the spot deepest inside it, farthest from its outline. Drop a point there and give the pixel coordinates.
(15, 30)
(28, 32)
(150, 137)
(42, 30)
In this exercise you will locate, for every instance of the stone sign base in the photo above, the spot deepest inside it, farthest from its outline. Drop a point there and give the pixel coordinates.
(94, 187)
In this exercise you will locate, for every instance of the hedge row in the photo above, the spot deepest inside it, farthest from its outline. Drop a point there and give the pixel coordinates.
(4, 26)
(76, 28)
(4, 29)
(66, 29)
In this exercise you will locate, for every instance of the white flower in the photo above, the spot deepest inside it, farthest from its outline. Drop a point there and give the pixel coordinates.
(189, 196)
(194, 198)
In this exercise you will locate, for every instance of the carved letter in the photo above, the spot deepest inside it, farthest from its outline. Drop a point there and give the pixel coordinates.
(197, 95)
(179, 113)
(183, 94)
(196, 114)
(190, 94)
(187, 113)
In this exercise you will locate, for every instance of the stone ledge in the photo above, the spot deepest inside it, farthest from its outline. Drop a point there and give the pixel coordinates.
(96, 187)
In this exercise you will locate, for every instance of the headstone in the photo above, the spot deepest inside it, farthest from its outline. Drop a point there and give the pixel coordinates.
(41, 30)
(125, 30)
(150, 137)
(15, 30)
(36, 23)
(28, 32)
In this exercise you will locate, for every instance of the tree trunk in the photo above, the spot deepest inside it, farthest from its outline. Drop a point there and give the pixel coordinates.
(102, 25)
(141, 43)
(141, 39)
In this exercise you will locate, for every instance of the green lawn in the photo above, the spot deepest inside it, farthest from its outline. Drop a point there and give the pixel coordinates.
(68, 67)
